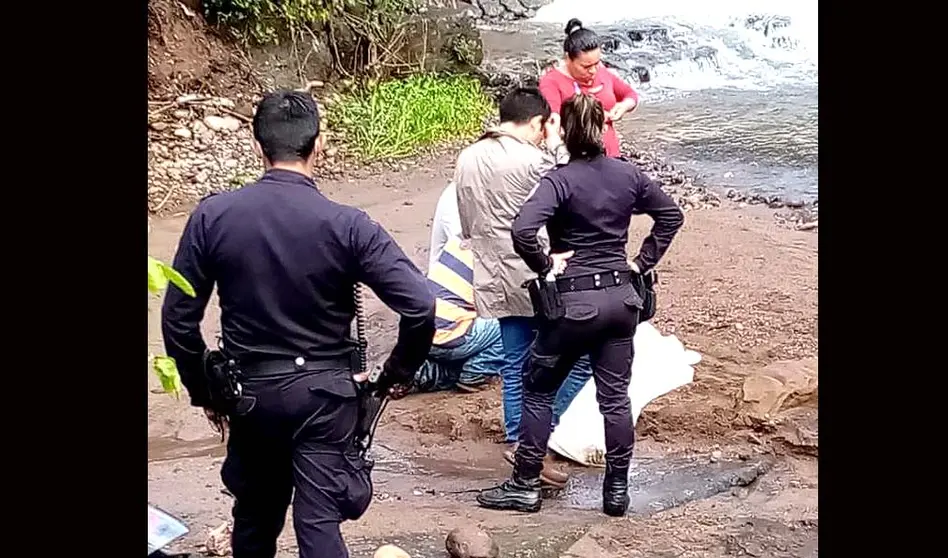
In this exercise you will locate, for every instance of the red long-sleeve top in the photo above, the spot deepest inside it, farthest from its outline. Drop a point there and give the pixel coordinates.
(607, 87)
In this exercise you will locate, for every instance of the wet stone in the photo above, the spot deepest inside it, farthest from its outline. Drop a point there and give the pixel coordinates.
(471, 542)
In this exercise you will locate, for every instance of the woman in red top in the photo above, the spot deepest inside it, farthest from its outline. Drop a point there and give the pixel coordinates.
(581, 71)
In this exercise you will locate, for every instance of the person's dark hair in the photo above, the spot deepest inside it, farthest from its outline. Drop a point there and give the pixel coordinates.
(582, 119)
(579, 39)
(286, 126)
(523, 104)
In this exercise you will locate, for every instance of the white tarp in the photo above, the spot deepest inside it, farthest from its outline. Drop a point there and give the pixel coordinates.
(661, 364)
(162, 529)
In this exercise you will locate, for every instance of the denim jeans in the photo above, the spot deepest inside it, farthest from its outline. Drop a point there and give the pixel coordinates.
(517, 333)
(481, 354)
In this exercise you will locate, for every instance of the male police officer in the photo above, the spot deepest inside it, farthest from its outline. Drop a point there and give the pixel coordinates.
(285, 260)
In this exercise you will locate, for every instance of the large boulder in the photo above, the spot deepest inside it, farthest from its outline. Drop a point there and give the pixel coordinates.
(506, 10)
(781, 400)
(778, 387)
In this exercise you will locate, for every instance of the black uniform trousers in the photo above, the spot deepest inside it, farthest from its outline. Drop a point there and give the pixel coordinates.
(600, 323)
(296, 444)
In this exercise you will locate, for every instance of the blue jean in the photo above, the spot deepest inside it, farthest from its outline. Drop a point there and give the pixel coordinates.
(481, 354)
(517, 333)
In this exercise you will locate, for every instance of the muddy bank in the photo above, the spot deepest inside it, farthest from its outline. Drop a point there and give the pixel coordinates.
(735, 288)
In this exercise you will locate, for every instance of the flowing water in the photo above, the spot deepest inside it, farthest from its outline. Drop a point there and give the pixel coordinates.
(732, 94)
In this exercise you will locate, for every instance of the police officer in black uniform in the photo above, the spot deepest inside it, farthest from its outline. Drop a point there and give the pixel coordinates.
(592, 306)
(285, 259)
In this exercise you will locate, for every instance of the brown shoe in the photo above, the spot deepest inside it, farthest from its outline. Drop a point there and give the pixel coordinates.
(550, 475)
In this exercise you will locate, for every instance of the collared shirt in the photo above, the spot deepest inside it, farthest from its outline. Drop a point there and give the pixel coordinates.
(494, 176)
(451, 280)
(285, 259)
(587, 206)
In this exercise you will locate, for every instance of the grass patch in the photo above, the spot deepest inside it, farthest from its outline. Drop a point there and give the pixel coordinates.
(398, 118)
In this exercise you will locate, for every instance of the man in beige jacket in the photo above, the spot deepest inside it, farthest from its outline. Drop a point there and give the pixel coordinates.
(493, 177)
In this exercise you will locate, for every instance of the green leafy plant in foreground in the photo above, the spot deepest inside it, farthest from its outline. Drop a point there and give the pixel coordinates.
(396, 118)
(159, 275)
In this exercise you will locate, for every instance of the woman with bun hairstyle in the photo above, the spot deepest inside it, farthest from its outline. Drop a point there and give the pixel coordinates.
(582, 71)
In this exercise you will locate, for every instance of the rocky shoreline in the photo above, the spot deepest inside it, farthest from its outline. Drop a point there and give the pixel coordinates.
(199, 145)
(690, 195)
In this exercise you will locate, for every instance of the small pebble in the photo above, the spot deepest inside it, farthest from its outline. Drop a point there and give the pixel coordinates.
(390, 551)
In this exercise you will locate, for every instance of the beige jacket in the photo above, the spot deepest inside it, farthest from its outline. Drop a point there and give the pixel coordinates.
(494, 176)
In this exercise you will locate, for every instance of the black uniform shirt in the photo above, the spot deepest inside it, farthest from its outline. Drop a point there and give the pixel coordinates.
(587, 206)
(285, 259)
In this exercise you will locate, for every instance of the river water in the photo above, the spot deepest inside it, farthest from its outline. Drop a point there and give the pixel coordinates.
(732, 94)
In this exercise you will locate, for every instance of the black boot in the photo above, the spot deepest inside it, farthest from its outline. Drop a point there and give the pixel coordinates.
(516, 494)
(615, 492)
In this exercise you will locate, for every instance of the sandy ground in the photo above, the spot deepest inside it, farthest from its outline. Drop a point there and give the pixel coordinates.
(734, 286)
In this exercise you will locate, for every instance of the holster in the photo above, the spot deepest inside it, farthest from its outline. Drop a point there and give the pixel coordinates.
(372, 401)
(545, 298)
(225, 392)
(644, 285)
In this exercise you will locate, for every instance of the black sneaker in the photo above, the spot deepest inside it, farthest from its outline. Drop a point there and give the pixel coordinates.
(515, 494)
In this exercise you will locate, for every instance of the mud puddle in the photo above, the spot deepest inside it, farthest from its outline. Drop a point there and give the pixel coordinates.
(659, 484)
(440, 491)
(166, 448)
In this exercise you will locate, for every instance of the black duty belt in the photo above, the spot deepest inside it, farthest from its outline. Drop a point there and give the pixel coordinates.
(593, 281)
(271, 367)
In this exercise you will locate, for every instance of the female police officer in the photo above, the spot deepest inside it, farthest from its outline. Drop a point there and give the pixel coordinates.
(591, 306)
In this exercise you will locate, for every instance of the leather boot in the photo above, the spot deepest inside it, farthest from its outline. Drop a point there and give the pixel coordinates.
(615, 492)
(550, 475)
(516, 494)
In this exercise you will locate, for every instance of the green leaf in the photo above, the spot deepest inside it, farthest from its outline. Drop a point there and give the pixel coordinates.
(178, 280)
(168, 375)
(160, 273)
(157, 279)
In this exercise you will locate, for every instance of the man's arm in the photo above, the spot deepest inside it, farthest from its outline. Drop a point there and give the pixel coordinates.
(385, 269)
(445, 224)
(668, 217)
(438, 234)
(549, 158)
(181, 314)
(534, 214)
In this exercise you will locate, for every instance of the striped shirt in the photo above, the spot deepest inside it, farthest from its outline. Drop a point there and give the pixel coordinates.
(451, 280)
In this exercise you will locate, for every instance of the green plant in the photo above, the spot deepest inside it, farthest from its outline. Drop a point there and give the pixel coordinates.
(367, 29)
(265, 21)
(395, 118)
(159, 275)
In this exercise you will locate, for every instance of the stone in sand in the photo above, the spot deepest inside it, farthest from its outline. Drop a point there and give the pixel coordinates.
(390, 551)
(471, 542)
